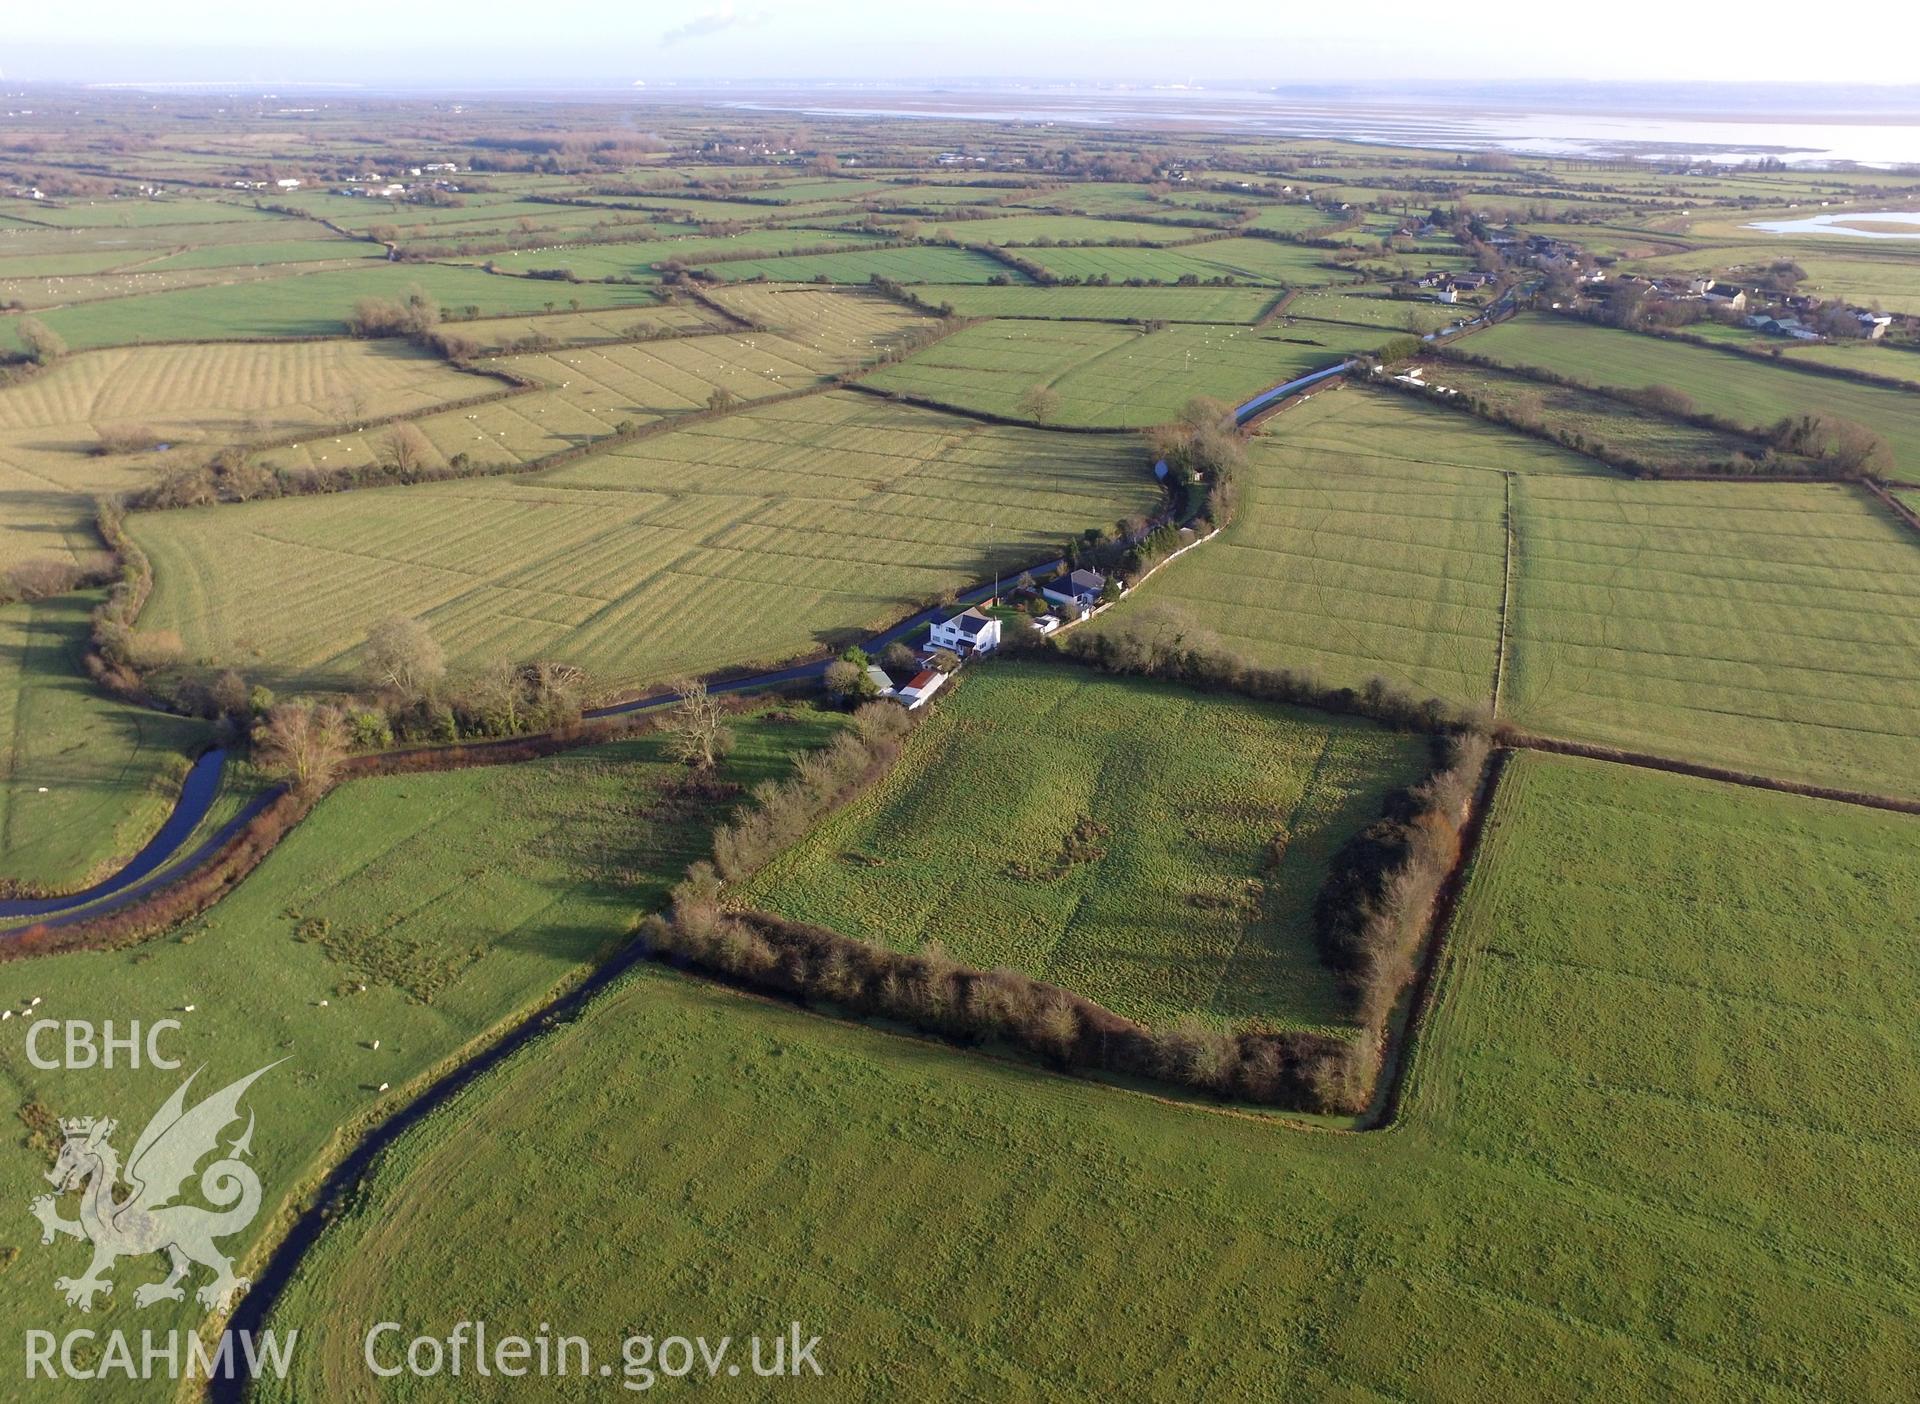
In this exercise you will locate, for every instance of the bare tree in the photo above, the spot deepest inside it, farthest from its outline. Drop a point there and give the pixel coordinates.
(406, 449)
(302, 745)
(401, 657)
(700, 735)
(41, 576)
(1040, 404)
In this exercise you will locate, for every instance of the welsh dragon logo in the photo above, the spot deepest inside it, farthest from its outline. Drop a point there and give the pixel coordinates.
(148, 1220)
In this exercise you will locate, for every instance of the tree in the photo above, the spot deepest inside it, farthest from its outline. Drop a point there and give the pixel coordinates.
(722, 400)
(849, 682)
(302, 745)
(896, 657)
(401, 657)
(406, 449)
(697, 725)
(421, 313)
(1040, 404)
(946, 660)
(1205, 412)
(43, 343)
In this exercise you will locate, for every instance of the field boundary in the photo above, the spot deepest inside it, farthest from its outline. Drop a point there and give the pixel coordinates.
(1403, 1037)
(1506, 593)
(1527, 741)
(1905, 514)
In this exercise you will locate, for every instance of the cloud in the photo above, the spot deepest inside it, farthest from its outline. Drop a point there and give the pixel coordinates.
(714, 21)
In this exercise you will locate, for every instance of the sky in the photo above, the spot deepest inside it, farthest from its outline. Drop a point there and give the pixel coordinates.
(610, 43)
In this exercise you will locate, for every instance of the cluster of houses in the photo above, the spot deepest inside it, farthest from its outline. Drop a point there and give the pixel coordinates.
(1872, 325)
(973, 633)
(1447, 286)
(372, 185)
(1793, 315)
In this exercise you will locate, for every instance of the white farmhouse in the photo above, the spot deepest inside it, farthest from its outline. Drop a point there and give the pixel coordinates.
(970, 632)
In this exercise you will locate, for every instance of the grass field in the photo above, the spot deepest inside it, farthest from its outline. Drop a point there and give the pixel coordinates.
(1369, 543)
(1654, 1099)
(457, 899)
(69, 290)
(1745, 390)
(493, 333)
(1264, 261)
(856, 320)
(639, 258)
(197, 396)
(741, 539)
(925, 264)
(1109, 836)
(1210, 305)
(1870, 357)
(314, 304)
(1771, 628)
(1390, 314)
(1107, 375)
(1015, 230)
(1672, 444)
(84, 780)
(589, 391)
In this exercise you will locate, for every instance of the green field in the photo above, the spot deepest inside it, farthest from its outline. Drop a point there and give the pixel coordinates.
(1771, 628)
(1744, 390)
(1390, 314)
(639, 258)
(743, 539)
(1015, 230)
(573, 327)
(1654, 1099)
(109, 771)
(1673, 445)
(927, 264)
(314, 304)
(1107, 375)
(1122, 304)
(457, 899)
(1248, 260)
(1369, 543)
(1870, 357)
(1110, 836)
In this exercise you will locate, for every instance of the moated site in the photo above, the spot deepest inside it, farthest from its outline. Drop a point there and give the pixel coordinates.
(1098, 761)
